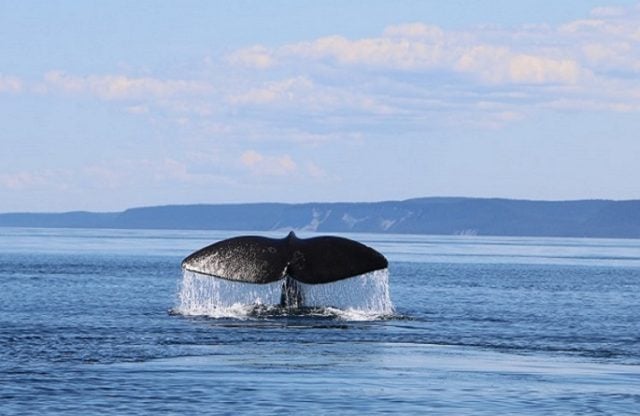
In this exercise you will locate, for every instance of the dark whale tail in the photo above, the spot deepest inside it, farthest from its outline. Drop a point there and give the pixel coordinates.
(255, 259)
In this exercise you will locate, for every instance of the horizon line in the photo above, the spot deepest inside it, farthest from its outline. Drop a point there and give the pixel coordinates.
(319, 202)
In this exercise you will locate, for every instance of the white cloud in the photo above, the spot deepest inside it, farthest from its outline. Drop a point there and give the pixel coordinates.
(608, 24)
(251, 158)
(500, 65)
(21, 180)
(583, 25)
(121, 87)
(301, 95)
(316, 171)
(291, 89)
(612, 56)
(383, 52)
(256, 56)
(10, 83)
(263, 165)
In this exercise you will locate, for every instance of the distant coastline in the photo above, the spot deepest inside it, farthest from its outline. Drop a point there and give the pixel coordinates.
(441, 216)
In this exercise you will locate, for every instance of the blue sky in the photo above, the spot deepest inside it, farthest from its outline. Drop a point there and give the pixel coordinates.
(110, 105)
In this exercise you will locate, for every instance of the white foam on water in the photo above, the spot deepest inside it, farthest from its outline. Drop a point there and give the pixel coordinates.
(359, 298)
(351, 314)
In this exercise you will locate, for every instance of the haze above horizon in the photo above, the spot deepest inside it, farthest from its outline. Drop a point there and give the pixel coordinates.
(106, 106)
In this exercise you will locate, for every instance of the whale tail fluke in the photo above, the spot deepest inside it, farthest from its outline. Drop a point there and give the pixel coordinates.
(256, 259)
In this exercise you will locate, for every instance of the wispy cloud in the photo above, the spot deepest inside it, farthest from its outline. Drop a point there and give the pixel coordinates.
(292, 89)
(117, 174)
(21, 180)
(267, 165)
(150, 172)
(317, 173)
(121, 87)
(499, 65)
(10, 83)
(26, 180)
(257, 57)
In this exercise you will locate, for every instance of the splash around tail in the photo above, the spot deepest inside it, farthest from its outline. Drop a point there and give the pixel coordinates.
(360, 298)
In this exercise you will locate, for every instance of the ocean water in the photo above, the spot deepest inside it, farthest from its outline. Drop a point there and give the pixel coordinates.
(103, 321)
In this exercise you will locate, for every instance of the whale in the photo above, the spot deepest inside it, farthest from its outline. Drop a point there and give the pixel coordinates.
(261, 260)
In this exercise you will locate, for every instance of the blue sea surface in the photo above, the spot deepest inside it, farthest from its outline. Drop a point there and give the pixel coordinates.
(89, 324)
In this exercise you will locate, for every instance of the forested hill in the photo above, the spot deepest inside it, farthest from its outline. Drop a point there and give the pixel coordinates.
(497, 217)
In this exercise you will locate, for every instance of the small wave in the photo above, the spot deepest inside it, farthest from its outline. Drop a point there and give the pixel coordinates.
(235, 311)
(249, 312)
(351, 314)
